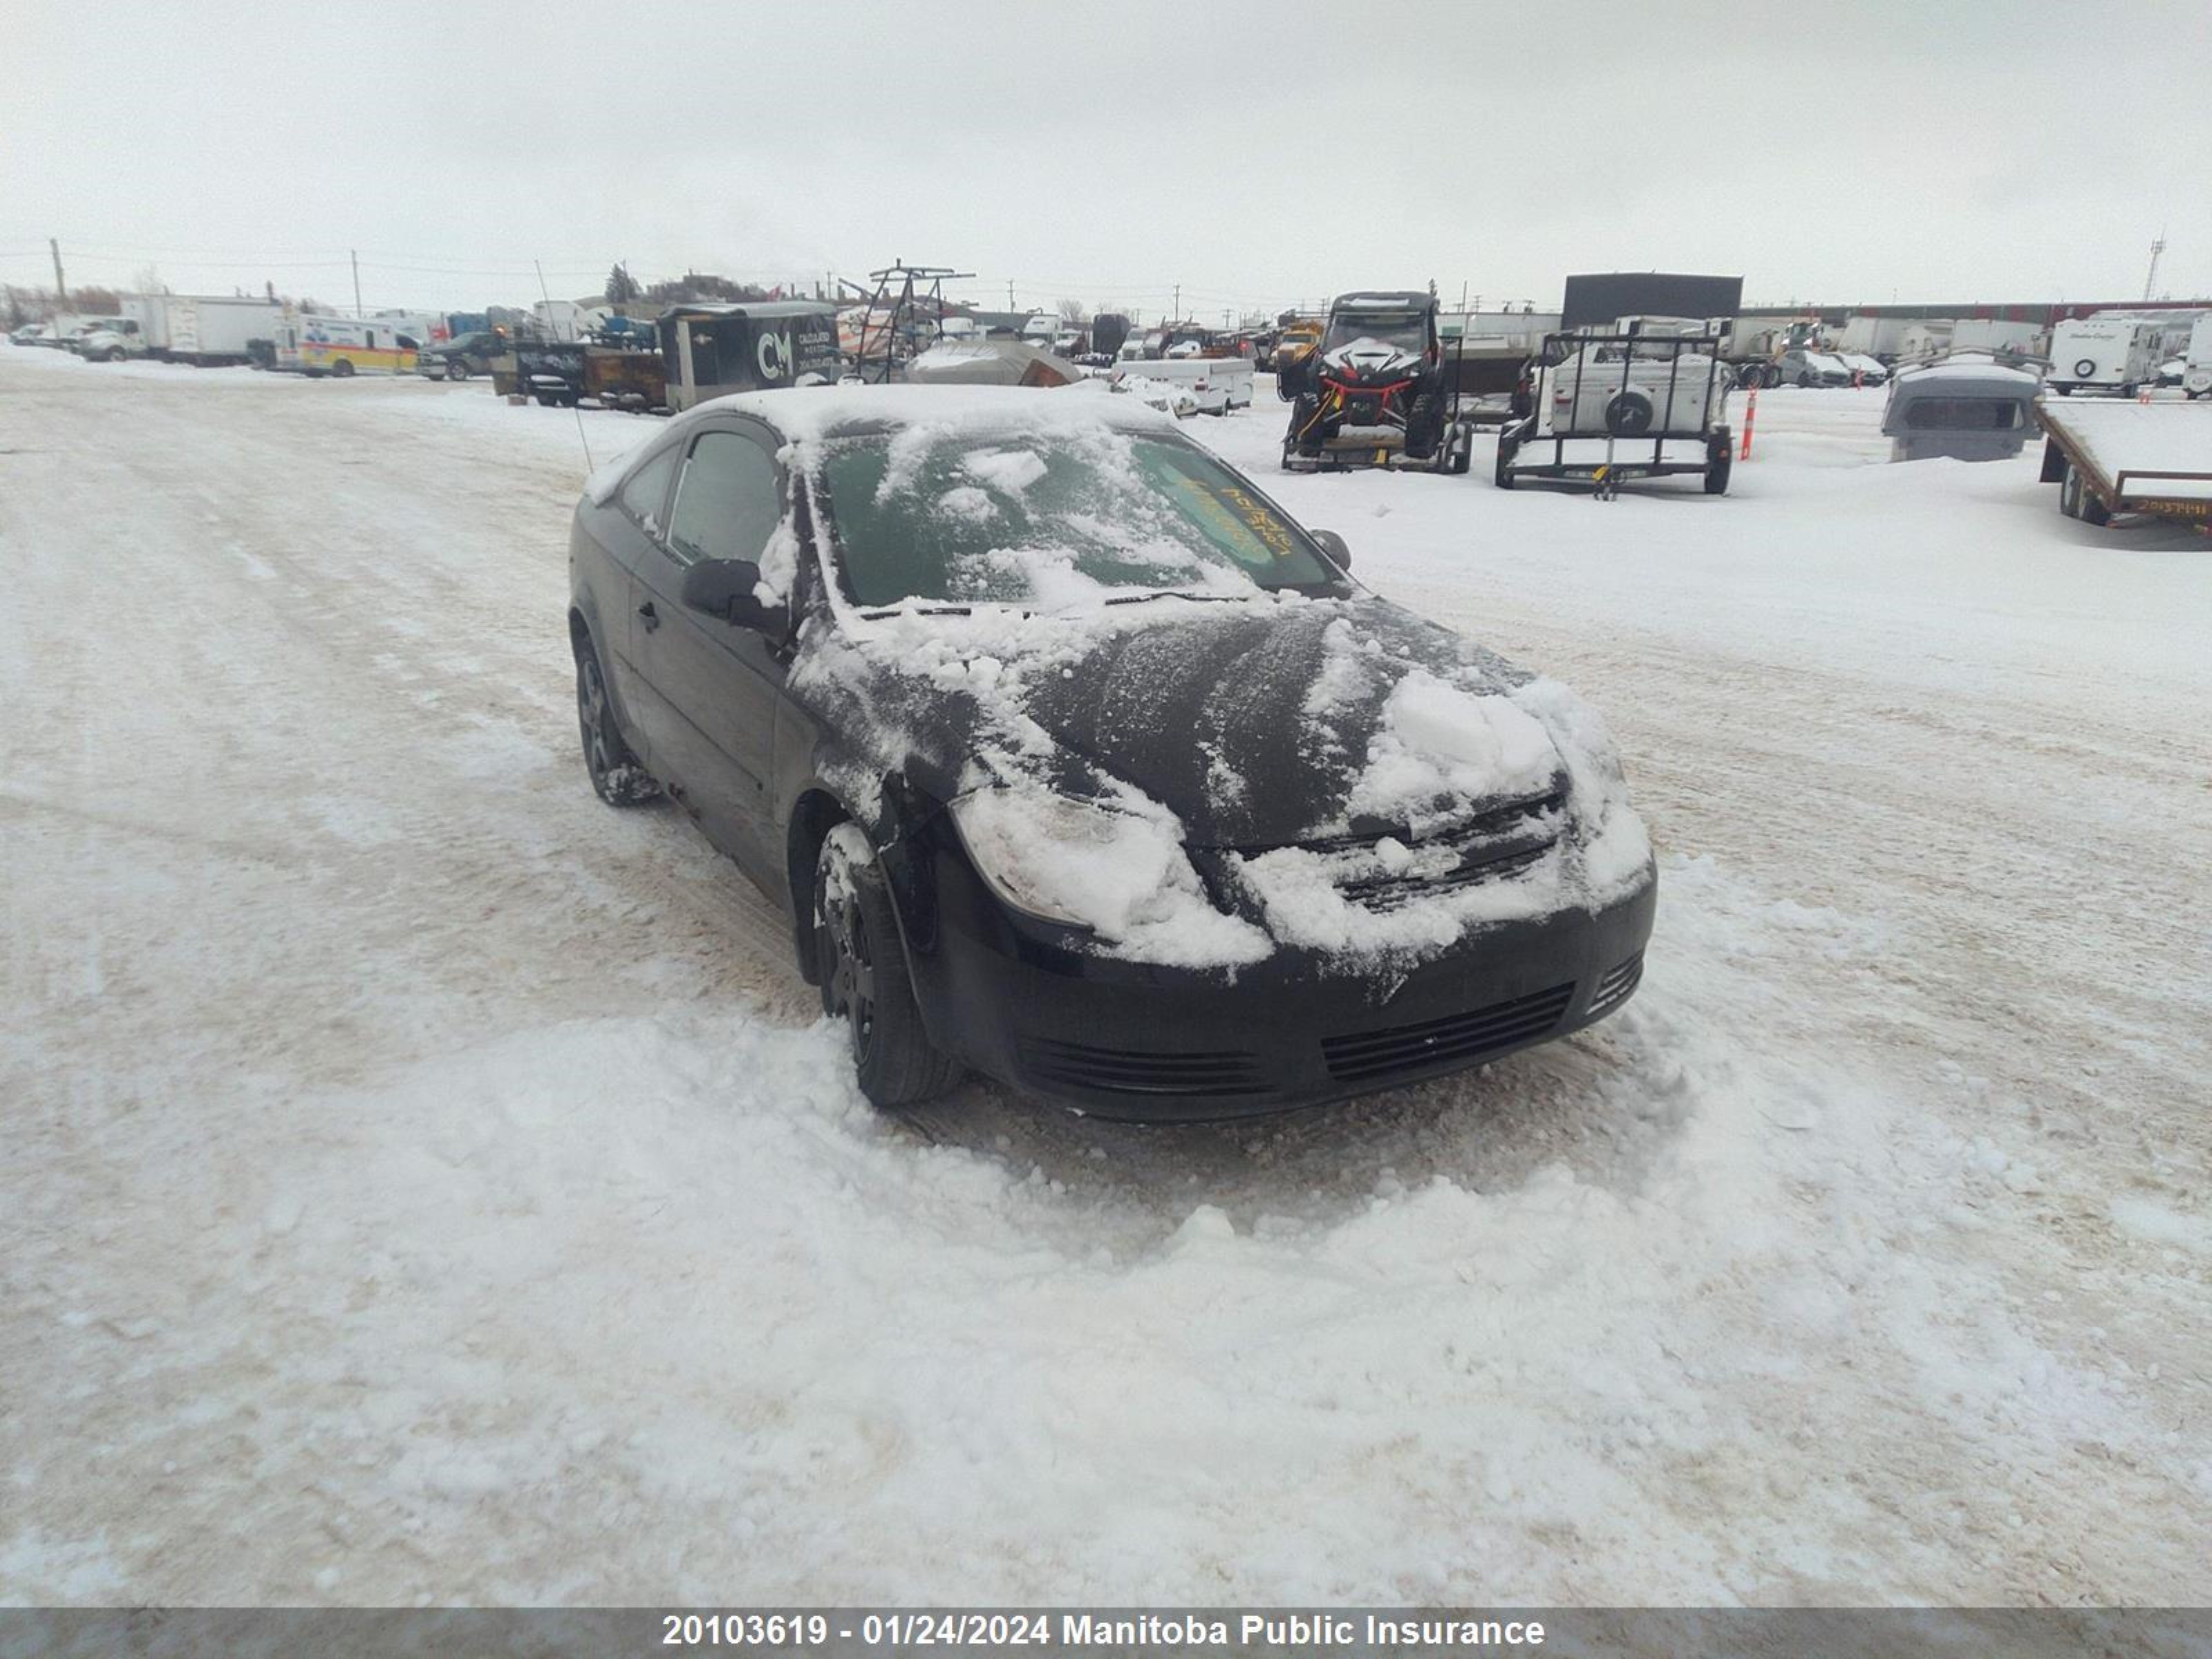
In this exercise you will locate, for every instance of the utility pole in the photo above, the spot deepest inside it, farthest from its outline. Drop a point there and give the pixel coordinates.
(1010, 294)
(60, 291)
(2149, 281)
(356, 257)
(1178, 305)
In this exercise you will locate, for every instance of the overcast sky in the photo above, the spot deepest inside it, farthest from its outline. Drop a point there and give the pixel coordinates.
(1257, 153)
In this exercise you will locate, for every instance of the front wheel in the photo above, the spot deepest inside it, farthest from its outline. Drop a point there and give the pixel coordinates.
(862, 963)
(457, 370)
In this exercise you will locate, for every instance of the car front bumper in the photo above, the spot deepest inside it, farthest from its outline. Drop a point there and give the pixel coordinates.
(1136, 1041)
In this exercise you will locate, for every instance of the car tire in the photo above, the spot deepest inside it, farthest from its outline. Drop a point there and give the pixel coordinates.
(617, 776)
(861, 959)
(456, 369)
(343, 368)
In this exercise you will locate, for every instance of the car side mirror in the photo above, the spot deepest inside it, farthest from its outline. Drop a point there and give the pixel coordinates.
(1334, 544)
(724, 588)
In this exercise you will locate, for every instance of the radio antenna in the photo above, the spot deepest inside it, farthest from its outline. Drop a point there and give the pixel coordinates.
(589, 465)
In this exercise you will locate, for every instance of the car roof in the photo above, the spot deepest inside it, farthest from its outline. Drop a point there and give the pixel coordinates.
(801, 413)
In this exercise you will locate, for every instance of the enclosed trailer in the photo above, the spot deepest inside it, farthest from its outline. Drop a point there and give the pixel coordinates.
(713, 350)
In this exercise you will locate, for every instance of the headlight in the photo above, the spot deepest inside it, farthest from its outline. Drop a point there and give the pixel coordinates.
(1080, 863)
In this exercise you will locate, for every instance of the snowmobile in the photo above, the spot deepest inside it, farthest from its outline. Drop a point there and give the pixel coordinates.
(1375, 392)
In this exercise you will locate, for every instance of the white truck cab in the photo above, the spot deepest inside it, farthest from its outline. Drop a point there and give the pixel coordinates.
(108, 340)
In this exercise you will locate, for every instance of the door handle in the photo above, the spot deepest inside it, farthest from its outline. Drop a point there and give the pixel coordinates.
(652, 616)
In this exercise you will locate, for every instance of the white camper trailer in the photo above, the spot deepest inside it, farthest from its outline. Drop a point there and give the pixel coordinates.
(2103, 354)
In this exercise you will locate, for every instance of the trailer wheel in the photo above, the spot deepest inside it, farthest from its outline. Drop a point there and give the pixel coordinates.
(1718, 465)
(1463, 449)
(1509, 445)
(343, 368)
(2077, 500)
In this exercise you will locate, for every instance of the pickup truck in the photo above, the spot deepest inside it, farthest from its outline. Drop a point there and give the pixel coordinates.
(463, 355)
(1218, 384)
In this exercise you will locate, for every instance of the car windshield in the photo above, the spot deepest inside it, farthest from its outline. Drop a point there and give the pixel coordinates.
(1406, 329)
(1053, 521)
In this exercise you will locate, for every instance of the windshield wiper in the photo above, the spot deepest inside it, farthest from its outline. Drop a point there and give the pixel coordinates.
(1170, 593)
(918, 610)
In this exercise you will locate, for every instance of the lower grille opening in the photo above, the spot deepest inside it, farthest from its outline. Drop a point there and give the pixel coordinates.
(1613, 989)
(1128, 1071)
(1363, 1056)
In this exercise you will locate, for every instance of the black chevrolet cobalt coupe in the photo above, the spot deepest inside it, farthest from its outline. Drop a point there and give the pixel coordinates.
(1076, 761)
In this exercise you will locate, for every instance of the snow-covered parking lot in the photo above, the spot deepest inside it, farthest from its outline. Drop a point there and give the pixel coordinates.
(423, 1183)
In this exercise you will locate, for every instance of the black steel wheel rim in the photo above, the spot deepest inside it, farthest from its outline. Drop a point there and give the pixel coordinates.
(853, 977)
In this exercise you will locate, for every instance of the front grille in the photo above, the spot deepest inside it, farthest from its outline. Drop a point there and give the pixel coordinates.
(1613, 989)
(1493, 845)
(1367, 1056)
(1129, 1072)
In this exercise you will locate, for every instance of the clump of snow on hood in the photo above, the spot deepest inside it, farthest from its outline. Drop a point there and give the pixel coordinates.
(1301, 892)
(1613, 847)
(1118, 866)
(1437, 746)
(1347, 676)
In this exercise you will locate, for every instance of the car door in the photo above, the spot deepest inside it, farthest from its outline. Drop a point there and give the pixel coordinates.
(711, 687)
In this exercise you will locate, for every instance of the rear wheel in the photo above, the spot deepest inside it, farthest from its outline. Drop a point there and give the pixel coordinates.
(1718, 465)
(1509, 445)
(615, 775)
(862, 963)
(343, 368)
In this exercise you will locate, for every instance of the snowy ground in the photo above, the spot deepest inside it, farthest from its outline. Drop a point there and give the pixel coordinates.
(423, 1183)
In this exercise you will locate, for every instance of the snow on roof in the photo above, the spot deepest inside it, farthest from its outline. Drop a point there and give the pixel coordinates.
(1983, 370)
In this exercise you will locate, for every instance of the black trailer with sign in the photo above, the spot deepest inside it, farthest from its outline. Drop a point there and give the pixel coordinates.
(713, 350)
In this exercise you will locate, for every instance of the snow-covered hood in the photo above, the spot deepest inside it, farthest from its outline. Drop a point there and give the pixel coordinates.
(1370, 359)
(1303, 751)
(1257, 724)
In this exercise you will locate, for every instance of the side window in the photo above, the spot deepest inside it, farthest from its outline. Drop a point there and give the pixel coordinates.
(726, 503)
(647, 492)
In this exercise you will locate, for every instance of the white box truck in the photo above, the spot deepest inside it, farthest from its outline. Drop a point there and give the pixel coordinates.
(209, 331)
(2103, 354)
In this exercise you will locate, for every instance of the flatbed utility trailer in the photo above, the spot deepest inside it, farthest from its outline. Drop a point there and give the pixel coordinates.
(2110, 457)
(1622, 397)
